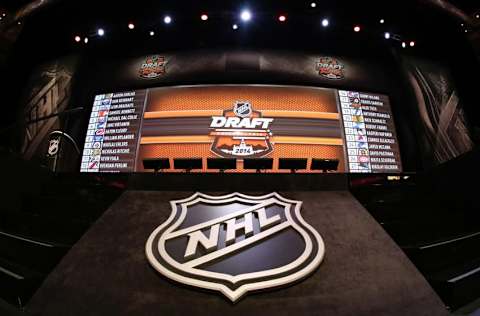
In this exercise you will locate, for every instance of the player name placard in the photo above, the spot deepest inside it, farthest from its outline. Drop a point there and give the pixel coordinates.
(371, 142)
(113, 132)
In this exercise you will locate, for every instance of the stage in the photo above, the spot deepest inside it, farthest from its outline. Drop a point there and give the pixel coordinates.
(363, 272)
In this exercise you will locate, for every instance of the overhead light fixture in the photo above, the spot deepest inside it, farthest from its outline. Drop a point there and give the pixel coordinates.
(282, 18)
(4, 14)
(477, 16)
(325, 22)
(85, 40)
(412, 43)
(357, 28)
(78, 38)
(235, 26)
(167, 19)
(101, 32)
(245, 15)
(152, 33)
(387, 35)
(313, 4)
(131, 26)
(382, 21)
(204, 17)
(404, 44)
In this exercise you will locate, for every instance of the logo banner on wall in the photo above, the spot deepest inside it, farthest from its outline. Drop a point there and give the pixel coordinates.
(330, 68)
(153, 67)
(235, 243)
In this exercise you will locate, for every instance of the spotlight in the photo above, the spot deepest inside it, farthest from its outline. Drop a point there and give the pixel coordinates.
(246, 15)
(466, 31)
(4, 14)
(325, 22)
(152, 33)
(85, 40)
(131, 26)
(282, 18)
(412, 43)
(235, 26)
(101, 32)
(404, 44)
(387, 35)
(476, 15)
(313, 4)
(382, 21)
(204, 17)
(167, 19)
(77, 39)
(356, 28)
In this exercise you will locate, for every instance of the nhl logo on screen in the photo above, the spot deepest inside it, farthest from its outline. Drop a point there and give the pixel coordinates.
(242, 109)
(235, 243)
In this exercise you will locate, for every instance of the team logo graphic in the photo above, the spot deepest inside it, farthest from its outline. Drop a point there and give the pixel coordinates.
(53, 147)
(241, 132)
(153, 67)
(235, 243)
(330, 68)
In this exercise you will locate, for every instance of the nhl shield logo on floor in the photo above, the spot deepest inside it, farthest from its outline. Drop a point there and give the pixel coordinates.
(235, 243)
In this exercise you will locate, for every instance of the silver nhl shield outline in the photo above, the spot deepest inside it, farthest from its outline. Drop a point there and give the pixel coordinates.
(187, 272)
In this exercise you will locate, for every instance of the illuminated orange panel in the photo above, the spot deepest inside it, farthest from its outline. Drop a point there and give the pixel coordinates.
(278, 98)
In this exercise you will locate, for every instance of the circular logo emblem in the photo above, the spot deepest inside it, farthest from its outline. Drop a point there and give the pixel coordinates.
(242, 109)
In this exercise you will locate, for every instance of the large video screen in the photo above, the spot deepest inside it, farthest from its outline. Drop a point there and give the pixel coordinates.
(241, 121)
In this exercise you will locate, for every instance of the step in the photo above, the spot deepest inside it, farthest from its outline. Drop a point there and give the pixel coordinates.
(441, 254)
(457, 285)
(32, 253)
(60, 230)
(17, 283)
(7, 309)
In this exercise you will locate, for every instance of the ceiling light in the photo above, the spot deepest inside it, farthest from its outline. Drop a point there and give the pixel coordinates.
(131, 26)
(167, 19)
(325, 22)
(204, 17)
(101, 32)
(356, 28)
(313, 4)
(387, 35)
(282, 18)
(77, 39)
(246, 15)
(152, 33)
(235, 26)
